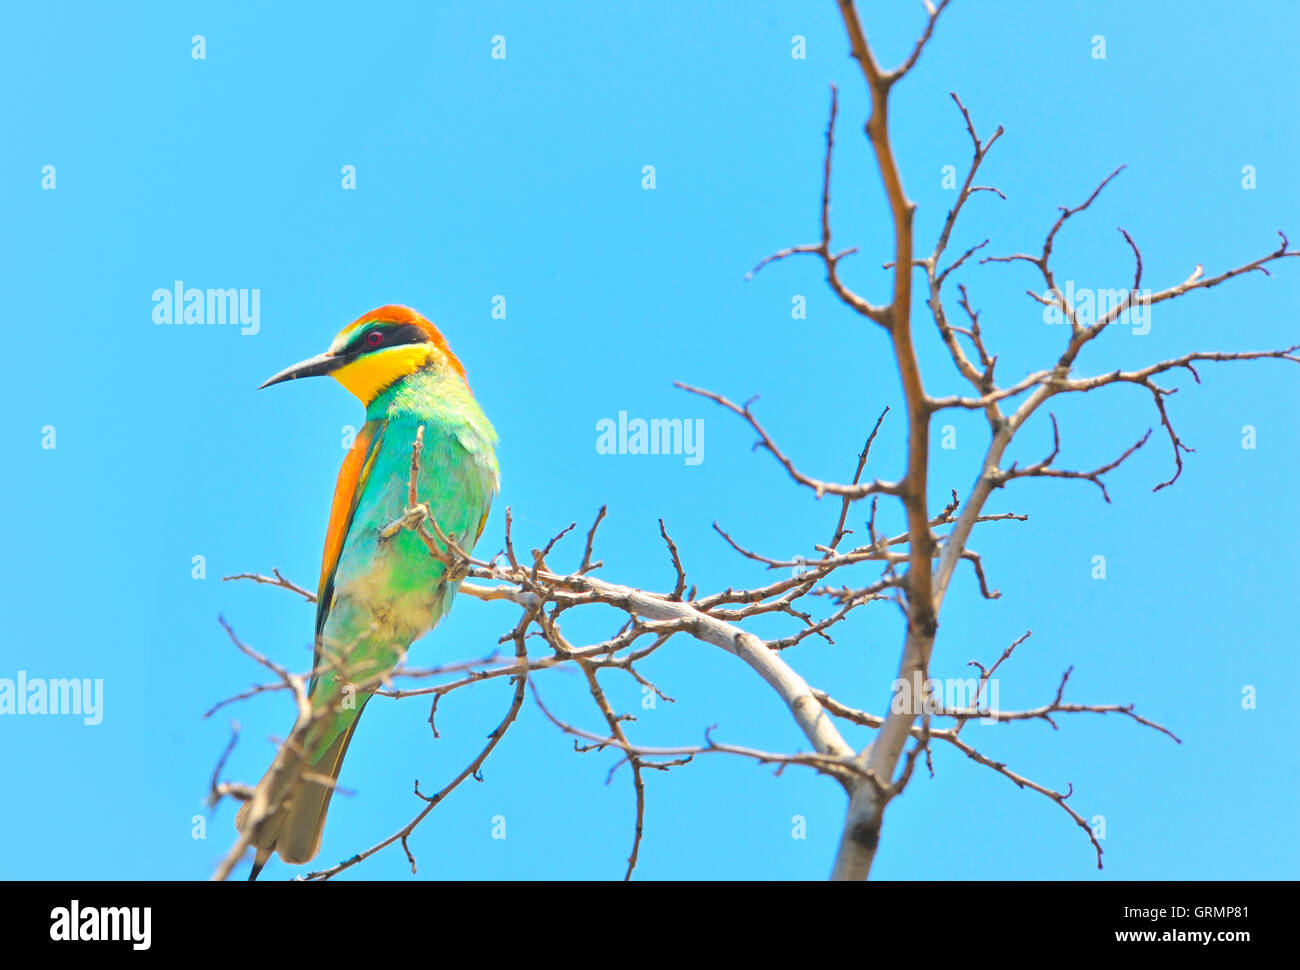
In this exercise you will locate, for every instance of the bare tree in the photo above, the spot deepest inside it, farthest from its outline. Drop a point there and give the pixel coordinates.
(912, 569)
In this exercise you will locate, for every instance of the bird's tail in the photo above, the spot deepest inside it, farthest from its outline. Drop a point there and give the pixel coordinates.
(299, 796)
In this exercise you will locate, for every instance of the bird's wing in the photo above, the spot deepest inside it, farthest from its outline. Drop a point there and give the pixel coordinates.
(353, 475)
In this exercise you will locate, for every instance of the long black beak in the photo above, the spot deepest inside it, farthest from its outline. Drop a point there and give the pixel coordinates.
(313, 367)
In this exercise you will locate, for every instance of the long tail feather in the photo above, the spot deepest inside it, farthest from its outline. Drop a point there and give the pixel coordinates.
(300, 835)
(293, 831)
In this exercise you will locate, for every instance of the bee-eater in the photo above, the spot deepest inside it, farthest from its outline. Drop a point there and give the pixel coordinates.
(378, 594)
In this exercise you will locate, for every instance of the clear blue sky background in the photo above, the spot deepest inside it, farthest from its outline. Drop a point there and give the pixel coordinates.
(522, 177)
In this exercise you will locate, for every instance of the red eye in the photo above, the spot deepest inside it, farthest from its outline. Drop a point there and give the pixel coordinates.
(374, 338)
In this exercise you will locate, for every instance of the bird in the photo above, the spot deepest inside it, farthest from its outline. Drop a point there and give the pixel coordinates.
(380, 589)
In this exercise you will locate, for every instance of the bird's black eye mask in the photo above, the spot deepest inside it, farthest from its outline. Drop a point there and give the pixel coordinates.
(382, 337)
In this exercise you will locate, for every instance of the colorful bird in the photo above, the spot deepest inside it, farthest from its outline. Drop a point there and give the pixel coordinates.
(377, 594)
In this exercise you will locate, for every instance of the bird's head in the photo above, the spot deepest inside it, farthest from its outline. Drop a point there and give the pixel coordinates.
(376, 350)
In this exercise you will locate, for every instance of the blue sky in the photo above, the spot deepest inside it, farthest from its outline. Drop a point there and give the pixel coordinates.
(522, 177)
